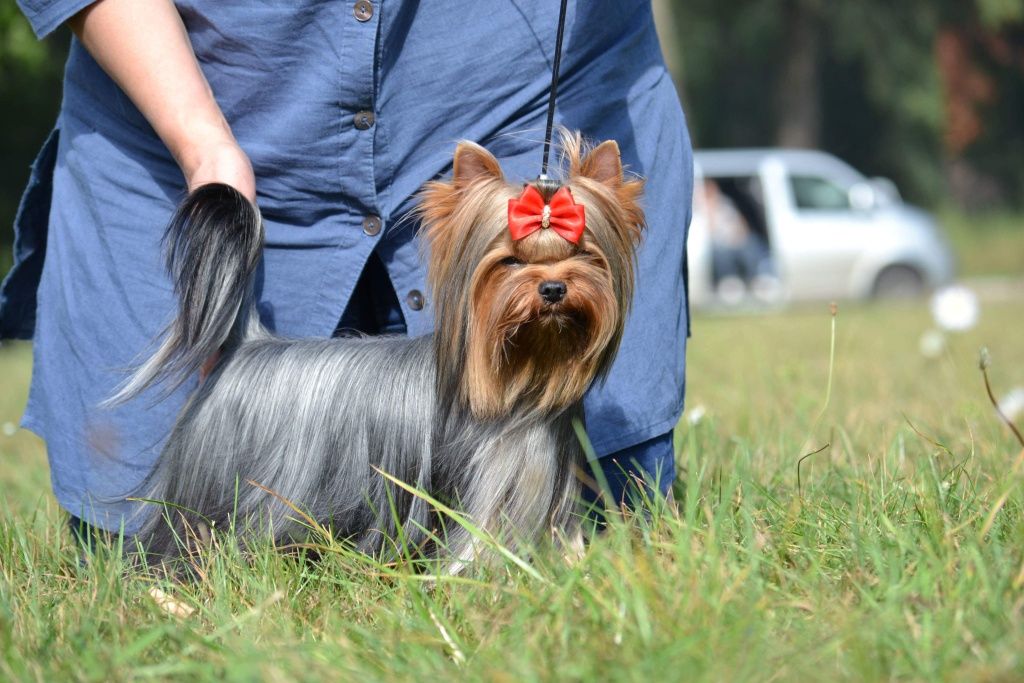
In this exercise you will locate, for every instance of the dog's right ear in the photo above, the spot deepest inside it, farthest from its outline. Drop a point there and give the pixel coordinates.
(472, 162)
(439, 199)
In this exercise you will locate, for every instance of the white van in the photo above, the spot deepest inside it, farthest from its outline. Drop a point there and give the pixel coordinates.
(775, 225)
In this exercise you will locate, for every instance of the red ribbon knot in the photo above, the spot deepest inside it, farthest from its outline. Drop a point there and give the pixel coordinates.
(528, 213)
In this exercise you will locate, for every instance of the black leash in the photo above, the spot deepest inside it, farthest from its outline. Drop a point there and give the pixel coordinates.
(546, 203)
(553, 93)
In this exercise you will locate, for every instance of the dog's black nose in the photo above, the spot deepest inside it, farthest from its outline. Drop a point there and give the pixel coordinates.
(552, 291)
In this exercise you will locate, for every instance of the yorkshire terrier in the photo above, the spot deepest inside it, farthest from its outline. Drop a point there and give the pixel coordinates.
(531, 286)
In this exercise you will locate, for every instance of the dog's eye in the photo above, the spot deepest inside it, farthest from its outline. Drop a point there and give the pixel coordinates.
(511, 262)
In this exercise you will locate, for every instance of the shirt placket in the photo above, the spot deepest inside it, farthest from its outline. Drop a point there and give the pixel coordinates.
(359, 117)
(363, 223)
(359, 175)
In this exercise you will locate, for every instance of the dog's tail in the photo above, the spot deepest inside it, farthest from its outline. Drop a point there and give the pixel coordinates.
(213, 244)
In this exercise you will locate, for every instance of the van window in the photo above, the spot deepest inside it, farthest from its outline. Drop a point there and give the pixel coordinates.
(817, 193)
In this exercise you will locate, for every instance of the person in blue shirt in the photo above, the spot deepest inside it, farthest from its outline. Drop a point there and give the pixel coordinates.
(331, 116)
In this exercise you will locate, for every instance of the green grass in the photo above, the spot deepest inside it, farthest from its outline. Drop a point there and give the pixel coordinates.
(901, 556)
(986, 244)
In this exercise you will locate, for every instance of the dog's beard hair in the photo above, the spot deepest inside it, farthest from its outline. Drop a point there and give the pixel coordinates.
(480, 414)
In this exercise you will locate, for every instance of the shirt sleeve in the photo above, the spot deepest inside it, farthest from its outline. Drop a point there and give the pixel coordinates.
(46, 15)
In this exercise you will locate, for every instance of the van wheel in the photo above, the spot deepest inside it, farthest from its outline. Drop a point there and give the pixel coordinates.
(898, 282)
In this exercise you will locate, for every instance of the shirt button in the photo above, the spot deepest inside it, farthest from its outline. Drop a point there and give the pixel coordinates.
(363, 119)
(415, 300)
(363, 10)
(371, 225)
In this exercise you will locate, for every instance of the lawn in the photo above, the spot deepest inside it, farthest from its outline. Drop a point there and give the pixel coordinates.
(900, 554)
(986, 244)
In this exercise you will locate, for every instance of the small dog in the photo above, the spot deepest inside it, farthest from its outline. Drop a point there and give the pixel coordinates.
(531, 285)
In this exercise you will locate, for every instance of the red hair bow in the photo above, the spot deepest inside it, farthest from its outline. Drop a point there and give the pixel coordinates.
(528, 213)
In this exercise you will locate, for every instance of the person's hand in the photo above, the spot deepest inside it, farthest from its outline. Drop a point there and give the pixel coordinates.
(218, 161)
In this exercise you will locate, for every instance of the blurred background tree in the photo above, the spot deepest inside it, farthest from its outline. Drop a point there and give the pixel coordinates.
(929, 93)
(30, 87)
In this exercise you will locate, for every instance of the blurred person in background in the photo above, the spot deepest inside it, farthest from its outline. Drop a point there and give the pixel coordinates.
(740, 257)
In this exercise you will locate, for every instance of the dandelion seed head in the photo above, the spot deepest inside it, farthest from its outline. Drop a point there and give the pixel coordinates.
(1012, 404)
(955, 308)
(932, 344)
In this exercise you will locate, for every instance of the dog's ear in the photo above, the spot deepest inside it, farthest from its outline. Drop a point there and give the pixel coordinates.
(473, 162)
(439, 199)
(604, 164)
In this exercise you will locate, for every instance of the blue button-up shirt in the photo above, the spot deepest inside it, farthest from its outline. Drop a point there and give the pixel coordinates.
(292, 79)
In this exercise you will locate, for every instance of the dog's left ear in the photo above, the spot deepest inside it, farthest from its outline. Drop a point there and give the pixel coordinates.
(604, 164)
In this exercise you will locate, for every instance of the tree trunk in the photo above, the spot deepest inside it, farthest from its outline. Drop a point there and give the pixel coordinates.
(666, 21)
(799, 91)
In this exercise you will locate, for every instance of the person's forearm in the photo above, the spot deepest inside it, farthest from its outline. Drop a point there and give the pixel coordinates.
(143, 46)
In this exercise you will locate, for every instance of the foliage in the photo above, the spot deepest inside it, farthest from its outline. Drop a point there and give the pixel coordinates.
(985, 245)
(30, 87)
(899, 556)
(885, 99)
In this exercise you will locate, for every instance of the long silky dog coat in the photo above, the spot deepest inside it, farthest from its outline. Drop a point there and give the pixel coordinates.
(478, 414)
